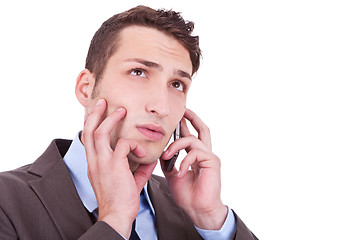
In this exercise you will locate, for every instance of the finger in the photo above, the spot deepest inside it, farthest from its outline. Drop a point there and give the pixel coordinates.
(195, 167)
(197, 158)
(124, 147)
(102, 134)
(188, 143)
(142, 174)
(200, 127)
(91, 123)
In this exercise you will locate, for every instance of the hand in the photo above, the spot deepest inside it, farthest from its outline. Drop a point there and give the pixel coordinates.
(196, 191)
(117, 189)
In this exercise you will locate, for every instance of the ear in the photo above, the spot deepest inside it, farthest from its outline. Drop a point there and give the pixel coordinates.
(84, 87)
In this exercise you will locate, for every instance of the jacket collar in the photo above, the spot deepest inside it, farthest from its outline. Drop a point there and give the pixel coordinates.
(172, 222)
(56, 190)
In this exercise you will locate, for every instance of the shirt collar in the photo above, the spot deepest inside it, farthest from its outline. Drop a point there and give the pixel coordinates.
(75, 160)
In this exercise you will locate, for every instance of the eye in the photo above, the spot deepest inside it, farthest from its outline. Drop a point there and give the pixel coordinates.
(178, 85)
(138, 72)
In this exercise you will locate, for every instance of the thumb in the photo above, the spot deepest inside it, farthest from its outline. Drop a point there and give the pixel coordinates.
(142, 174)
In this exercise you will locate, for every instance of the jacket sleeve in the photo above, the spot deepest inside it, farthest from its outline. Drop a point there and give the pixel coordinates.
(101, 230)
(7, 231)
(242, 232)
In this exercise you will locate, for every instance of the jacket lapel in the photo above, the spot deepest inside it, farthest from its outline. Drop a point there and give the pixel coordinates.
(57, 192)
(172, 222)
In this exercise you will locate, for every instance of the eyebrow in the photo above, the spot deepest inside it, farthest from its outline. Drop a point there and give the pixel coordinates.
(182, 73)
(150, 64)
(145, 62)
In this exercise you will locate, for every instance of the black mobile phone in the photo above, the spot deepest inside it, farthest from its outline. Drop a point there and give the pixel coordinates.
(171, 162)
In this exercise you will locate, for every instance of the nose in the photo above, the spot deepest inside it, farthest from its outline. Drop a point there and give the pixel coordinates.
(158, 102)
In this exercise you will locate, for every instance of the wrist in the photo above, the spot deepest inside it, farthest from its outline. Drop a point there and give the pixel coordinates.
(210, 220)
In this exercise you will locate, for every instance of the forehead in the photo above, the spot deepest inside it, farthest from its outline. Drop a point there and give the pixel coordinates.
(152, 44)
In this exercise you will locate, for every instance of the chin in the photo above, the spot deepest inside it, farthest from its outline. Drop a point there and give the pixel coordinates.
(149, 158)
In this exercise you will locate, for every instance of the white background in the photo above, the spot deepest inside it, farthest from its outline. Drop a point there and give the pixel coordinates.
(278, 87)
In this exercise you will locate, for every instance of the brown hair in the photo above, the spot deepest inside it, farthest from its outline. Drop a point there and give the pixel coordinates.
(105, 41)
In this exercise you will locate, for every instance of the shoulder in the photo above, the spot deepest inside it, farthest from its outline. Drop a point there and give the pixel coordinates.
(55, 151)
(17, 177)
(16, 182)
(15, 185)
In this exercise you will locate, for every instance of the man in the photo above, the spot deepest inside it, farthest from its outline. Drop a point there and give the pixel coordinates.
(100, 186)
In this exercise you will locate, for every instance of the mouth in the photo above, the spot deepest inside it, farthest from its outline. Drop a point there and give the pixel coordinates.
(151, 132)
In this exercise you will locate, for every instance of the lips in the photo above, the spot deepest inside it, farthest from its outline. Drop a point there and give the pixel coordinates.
(151, 132)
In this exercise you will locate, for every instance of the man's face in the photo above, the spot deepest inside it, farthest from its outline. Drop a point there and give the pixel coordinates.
(148, 75)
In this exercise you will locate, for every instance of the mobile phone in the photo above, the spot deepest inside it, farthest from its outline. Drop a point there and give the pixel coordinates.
(171, 162)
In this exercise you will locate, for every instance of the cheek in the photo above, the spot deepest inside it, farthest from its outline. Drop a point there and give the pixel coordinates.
(178, 106)
(176, 118)
(129, 102)
(118, 93)
(181, 111)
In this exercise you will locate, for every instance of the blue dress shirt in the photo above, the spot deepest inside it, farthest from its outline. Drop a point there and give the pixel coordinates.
(75, 159)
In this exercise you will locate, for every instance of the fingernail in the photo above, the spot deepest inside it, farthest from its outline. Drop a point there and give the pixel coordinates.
(120, 109)
(179, 173)
(99, 102)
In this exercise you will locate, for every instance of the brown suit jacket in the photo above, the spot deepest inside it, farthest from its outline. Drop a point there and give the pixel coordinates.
(39, 201)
